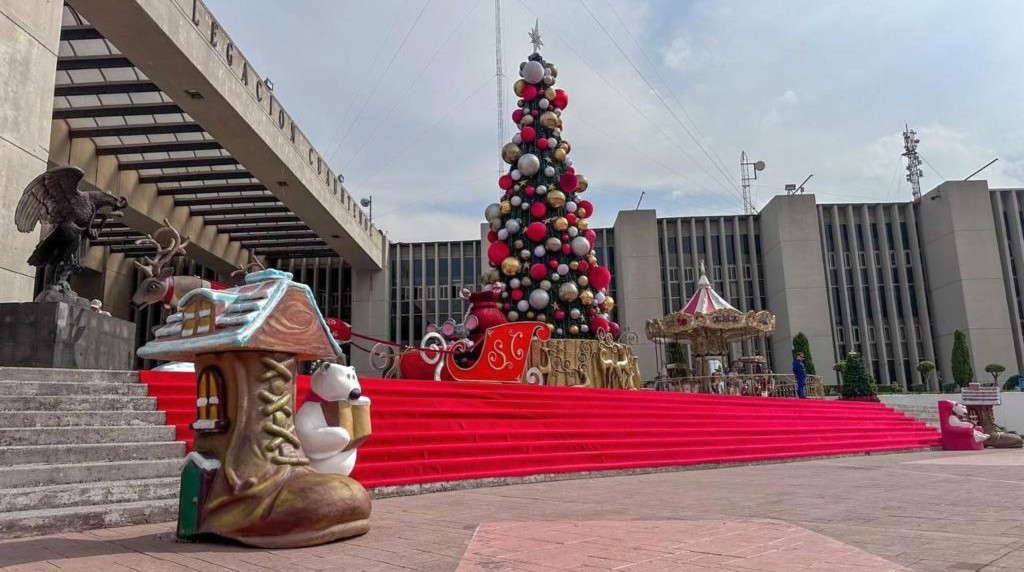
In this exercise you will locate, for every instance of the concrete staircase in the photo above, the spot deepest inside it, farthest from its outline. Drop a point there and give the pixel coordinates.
(83, 449)
(927, 414)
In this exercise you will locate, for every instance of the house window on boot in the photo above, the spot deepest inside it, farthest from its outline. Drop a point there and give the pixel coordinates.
(211, 402)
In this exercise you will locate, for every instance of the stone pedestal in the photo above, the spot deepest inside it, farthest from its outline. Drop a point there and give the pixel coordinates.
(62, 335)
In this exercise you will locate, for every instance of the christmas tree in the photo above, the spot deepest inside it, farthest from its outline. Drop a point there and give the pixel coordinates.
(857, 382)
(539, 238)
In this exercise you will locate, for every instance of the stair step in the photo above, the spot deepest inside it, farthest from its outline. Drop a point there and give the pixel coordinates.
(77, 403)
(39, 475)
(90, 453)
(84, 435)
(70, 388)
(47, 521)
(67, 375)
(85, 494)
(27, 418)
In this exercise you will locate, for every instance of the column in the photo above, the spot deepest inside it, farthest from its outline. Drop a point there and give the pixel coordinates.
(29, 38)
(371, 310)
(795, 279)
(638, 279)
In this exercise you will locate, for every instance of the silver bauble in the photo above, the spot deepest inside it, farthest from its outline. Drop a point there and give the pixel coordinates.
(541, 189)
(512, 226)
(522, 305)
(562, 269)
(502, 234)
(525, 254)
(516, 201)
(495, 224)
(543, 104)
(513, 283)
(574, 314)
(539, 299)
(545, 284)
(492, 212)
(517, 139)
(580, 246)
(533, 72)
(513, 316)
(538, 250)
(516, 174)
(529, 164)
(549, 171)
(573, 231)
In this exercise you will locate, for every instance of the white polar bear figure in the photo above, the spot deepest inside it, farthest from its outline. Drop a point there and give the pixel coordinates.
(326, 445)
(956, 419)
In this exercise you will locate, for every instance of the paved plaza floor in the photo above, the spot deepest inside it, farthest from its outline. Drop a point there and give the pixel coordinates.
(920, 511)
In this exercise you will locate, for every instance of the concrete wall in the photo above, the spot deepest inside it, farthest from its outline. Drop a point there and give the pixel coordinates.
(965, 280)
(29, 37)
(1010, 414)
(638, 279)
(371, 309)
(795, 280)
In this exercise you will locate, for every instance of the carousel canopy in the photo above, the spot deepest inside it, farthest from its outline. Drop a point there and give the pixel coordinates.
(709, 321)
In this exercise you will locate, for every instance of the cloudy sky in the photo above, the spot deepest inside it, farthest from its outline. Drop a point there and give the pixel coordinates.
(664, 94)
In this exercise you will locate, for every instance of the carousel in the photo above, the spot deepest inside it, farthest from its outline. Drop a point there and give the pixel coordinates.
(709, 325)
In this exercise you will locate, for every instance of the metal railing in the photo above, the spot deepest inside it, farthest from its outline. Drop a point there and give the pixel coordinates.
(761, 384)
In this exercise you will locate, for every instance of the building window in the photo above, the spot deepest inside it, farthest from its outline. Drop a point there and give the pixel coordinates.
(673, 274)
(716, 272)
(878, 258)
(871, 334)
(198, 318)
(862, 257)
(746, 272)
(856, 334)
(887, 334)
(841, 335)
(906, 256)
(211, 402)
(688, 274)
(892, 258)
(846, 259)
(831, 259)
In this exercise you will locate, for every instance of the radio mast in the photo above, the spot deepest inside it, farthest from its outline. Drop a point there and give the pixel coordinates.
(914, 172)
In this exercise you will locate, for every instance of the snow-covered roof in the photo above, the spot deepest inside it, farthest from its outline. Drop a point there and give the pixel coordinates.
(238, 315)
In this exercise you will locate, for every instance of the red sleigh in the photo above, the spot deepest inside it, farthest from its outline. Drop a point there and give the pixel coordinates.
(502, 356)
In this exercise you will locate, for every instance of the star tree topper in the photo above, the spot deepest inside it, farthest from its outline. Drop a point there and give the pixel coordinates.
(535, 37)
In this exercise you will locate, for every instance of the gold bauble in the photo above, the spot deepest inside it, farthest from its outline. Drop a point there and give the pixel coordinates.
(551, 327)
(581, 213)
(549, 93)
(574, 329)
(568, 292)
(506, 207)
(556, 199)
(554, 70)
(518, 88)
(574, 265)
(583, 281)
(490, 276)
(553, 244)
(583, 183)
(591, 260)
(549, 120)
(609, 304)
(586, 296)
(529, 315)
(510, 153)
(561, 224)
(511, 266)
(582, 224)
(560, 154)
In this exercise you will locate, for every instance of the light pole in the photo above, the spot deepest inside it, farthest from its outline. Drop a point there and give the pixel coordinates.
(368, 203)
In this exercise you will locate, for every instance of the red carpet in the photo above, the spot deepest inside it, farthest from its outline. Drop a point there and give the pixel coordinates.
(441, 431)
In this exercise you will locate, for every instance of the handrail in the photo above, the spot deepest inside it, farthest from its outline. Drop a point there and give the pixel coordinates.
(757, 384)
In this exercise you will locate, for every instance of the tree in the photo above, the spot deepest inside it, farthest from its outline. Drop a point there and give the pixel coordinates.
(925, 368)
(995, 370)
(962, 371)
(857, 382)
(838, 367)
(801, 345)
(540, 238)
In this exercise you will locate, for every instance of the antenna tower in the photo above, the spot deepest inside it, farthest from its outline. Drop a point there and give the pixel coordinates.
(914, 172)
(748, 172)
(500, 77)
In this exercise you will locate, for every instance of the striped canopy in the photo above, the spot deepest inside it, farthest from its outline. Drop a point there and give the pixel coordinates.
(705, 300)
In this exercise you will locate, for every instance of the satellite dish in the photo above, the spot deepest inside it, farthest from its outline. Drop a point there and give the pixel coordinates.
(759, 166)
(364, 202)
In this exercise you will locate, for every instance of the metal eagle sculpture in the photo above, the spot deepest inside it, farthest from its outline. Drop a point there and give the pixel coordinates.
(53, 198)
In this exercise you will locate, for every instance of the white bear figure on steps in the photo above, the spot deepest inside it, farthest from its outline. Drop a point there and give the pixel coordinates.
(330, 446)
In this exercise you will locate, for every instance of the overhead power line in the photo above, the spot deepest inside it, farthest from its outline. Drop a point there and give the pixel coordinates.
(657, 95)
(380, 78)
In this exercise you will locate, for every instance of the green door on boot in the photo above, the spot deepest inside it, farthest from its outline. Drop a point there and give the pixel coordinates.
(188, 502)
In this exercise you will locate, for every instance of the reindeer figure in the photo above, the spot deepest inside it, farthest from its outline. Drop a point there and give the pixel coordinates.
(159, 285)
(254, 265)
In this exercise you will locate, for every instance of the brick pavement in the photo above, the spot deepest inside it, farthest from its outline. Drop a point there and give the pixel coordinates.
(921, 512)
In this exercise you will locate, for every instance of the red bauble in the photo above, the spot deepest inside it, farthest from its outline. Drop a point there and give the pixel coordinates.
(599, 324)
(492, 236)
(565, 238)
(591, 236)
(538, 210)
(528, 133)
(506, 306)
(517, 115)
(561, 98)
(559, 314)
(582, 267)
(497, 252)
(586, 206)
(568, 182)
(615, 329)
(538, 272)
(571, 218)
(529, 92)
(506, 182)
(542, 144)
(553, 263)
(566, 249)
(600, 277)
(591, 312)
(535, 113)
(529, 191)
(536, 231)
(517, 295)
